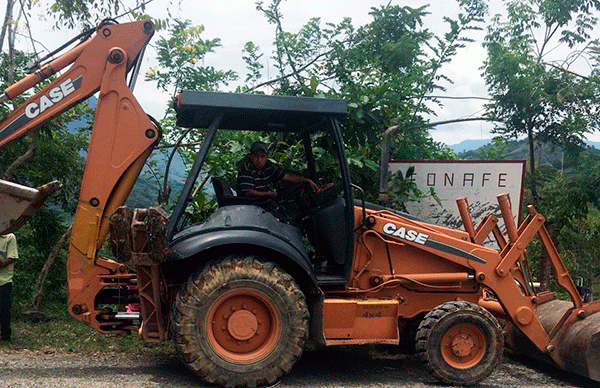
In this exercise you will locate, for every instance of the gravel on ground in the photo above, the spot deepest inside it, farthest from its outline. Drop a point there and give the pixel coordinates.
(324, 368)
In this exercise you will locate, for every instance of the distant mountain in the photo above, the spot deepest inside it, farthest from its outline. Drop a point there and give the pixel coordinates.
(595, 144)
(472, 145)
(546, 154)
(469, 145)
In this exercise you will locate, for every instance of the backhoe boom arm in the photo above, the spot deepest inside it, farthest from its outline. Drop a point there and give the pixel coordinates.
(122, 138)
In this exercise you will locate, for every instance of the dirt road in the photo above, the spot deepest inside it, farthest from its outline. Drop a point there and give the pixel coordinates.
(328, 368)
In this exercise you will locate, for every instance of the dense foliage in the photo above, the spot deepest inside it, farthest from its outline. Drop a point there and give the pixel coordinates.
(57, 155)
(542, 99)
(387, 70)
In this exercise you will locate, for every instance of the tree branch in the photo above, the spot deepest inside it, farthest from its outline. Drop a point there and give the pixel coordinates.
(294, 73)
(21, 159)
(39, 289)
(7, 18)
(286, 48)
(566, 71)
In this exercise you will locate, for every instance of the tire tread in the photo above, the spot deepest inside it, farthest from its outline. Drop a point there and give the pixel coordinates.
(428, 324)
(215, 276)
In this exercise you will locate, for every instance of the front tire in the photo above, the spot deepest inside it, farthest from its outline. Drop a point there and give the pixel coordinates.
(460, 343)
(240, 322)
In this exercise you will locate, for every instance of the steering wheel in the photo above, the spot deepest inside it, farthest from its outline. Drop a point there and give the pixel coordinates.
(300, 191)
(304, 196)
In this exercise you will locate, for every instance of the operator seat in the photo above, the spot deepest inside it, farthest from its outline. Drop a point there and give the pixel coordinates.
(225, 195)
(323, 229)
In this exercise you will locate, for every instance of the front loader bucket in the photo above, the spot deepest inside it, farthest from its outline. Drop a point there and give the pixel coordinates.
(577, 347)
(18, 203)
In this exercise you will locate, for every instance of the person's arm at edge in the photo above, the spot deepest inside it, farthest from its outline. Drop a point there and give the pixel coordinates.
(260, 194)
(6, 262)
(289, 177)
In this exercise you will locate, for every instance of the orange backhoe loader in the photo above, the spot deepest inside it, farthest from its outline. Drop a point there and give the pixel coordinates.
(242, 291)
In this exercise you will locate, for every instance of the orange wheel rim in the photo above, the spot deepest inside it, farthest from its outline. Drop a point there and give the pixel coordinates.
(463, 346)
(243, 325)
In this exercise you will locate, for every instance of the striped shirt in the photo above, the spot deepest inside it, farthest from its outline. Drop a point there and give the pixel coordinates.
(249, 178)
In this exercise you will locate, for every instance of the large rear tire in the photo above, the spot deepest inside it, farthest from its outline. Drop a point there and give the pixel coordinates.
(460, 343)
(240, 322)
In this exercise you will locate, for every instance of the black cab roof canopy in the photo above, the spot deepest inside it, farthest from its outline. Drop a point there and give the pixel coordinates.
(256, 112)
(301, 116)
(259, 112)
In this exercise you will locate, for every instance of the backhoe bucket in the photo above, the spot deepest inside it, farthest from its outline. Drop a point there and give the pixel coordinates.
(18, 203)
(577, 345)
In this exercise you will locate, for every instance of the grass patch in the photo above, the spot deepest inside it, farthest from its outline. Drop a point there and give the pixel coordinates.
(65, 333)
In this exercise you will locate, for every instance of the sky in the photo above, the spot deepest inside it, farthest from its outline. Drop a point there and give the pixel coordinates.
(235, 22)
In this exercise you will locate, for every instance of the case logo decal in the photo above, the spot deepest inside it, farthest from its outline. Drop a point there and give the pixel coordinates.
(53, 96)
(403, 233)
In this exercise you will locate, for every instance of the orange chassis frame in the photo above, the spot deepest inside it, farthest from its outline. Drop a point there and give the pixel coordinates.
(440, 265)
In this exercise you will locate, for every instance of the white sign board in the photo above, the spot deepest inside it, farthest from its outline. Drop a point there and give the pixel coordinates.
(479, 181)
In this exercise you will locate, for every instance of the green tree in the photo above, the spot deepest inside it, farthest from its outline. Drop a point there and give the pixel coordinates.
(252, 58)
(52, 142)
(88, 13)
(180, 61)
(543, 101)
(546, 102)
(385, 70)
(580, 248)
(571, 202)
(493, 151)
(180, 55)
